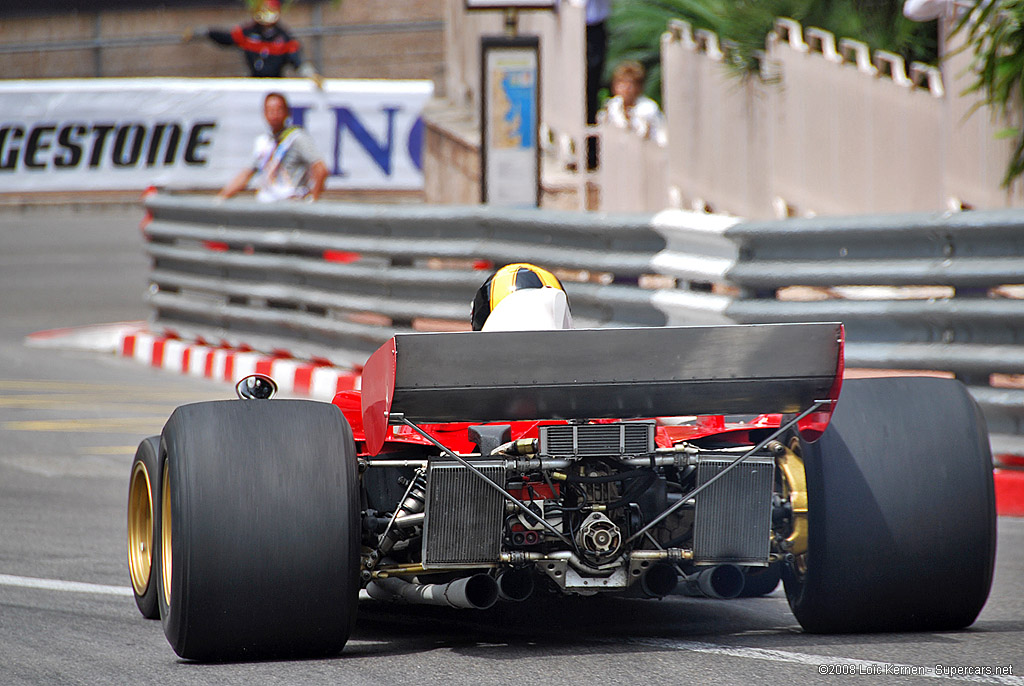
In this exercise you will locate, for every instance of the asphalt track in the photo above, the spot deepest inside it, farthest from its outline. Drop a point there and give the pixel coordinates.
(69, 422)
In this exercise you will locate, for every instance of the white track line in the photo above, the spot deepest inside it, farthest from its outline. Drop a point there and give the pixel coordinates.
(58, 585)
(861, 667)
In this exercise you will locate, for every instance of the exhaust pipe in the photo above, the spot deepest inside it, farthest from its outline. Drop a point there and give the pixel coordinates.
(659, 581)
(721, 582)
(477, 592)
(515, 584)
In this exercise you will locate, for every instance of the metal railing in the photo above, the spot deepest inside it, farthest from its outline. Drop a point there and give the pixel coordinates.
(100, 34)
(332, 281)
(335, 281)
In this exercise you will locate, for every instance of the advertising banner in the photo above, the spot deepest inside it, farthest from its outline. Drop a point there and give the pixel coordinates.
(128, 134)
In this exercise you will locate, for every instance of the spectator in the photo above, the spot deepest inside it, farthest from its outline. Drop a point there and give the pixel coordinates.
(266, 44)
(286, 161)
(629, 108)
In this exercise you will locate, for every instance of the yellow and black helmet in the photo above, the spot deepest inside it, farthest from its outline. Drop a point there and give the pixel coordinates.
(509, 279)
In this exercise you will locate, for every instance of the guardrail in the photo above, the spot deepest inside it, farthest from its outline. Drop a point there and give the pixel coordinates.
(332, 281)
(242, 269)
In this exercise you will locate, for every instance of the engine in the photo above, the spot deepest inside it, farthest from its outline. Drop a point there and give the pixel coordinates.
(589, 506)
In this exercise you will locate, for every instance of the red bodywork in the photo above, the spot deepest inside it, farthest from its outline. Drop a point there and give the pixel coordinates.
(455, 435)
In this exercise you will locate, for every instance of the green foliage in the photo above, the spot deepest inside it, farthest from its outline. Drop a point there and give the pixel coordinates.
(742, 26)
(994, 36)
(253, 5)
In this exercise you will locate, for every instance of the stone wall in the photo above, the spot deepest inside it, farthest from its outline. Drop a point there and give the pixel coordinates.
(391, 39)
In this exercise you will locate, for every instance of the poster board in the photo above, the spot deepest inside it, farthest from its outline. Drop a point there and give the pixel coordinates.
(509, 121)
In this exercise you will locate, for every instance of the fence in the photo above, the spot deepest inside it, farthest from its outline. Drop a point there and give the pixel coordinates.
(367, 39)
(333, 281)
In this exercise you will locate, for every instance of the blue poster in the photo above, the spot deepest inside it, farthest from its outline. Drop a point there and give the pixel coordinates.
(511, 173)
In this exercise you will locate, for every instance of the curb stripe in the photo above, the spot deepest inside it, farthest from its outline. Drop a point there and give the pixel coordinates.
(128, 346)
(1009, 492)
(197, 359)
(158, 352)
(303, 375)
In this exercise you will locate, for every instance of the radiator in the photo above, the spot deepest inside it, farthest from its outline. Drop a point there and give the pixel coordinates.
(464, 516)
(732, 522)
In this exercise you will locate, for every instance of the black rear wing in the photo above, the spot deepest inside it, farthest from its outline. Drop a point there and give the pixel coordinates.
(600, 373)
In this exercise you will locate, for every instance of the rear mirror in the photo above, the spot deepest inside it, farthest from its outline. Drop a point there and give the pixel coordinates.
(256, 387)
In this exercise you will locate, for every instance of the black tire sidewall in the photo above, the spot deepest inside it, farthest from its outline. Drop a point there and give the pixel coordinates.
(265, 530)
(901, 511)
(148, 453)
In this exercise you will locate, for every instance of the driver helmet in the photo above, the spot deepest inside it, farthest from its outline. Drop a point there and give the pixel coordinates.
(521, 297)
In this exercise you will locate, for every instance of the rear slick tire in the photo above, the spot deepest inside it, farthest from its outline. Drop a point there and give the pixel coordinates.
(263, 523)
(901, 511)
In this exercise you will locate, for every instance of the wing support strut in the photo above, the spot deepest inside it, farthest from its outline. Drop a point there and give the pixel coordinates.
(399, 418)
(818, 404)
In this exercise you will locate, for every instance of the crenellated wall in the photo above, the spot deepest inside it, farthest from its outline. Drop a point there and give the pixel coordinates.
(834, 128)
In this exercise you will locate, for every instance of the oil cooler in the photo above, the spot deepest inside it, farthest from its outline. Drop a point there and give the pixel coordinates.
(587, 440)
(732, 521)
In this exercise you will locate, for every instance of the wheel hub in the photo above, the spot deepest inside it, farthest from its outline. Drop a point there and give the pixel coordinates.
(794, 491)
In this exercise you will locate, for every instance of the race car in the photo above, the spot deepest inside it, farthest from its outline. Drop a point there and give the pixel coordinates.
(487, 467)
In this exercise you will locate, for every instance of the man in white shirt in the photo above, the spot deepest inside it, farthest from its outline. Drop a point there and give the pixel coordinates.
(285, 161)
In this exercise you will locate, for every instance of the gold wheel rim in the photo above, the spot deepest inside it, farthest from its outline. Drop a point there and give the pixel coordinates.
(165, 536)
(794, 489)
(140, 529)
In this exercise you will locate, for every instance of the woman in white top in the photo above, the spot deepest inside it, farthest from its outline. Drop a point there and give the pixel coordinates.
(629, 108)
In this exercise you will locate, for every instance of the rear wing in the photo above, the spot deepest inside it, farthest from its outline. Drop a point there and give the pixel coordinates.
(600, 373)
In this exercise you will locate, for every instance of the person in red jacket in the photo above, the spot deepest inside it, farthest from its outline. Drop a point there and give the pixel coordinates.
(266, 44)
